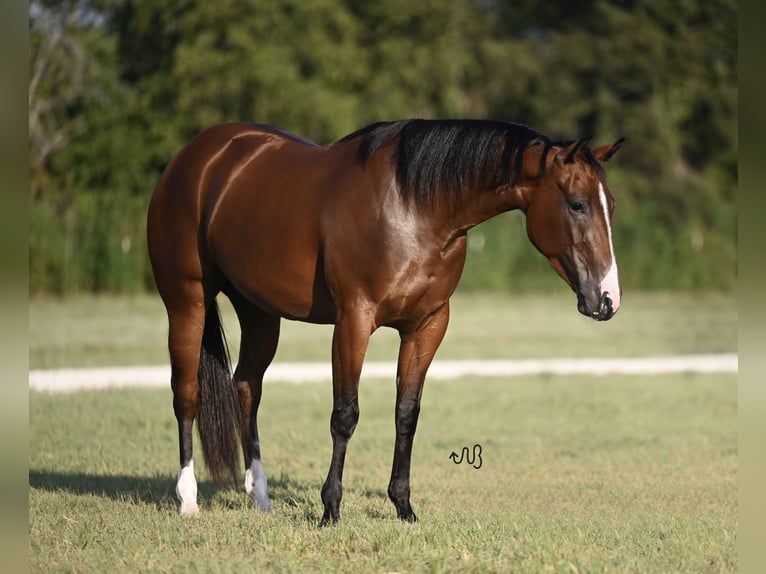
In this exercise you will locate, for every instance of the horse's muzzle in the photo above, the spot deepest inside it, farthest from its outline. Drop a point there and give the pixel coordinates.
(600, 307)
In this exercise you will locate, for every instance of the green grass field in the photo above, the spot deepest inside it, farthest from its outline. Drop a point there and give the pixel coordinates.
(579, 474)
(108, 330)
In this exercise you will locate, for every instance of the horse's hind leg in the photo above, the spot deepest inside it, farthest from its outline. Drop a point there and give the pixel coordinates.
(260, 334)
(186, 318)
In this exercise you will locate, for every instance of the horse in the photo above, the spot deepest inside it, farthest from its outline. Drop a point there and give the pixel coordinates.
(366, 232)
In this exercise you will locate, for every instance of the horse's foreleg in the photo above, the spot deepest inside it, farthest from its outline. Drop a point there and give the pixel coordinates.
(415, 355)
(260, 334)
(349, 345)
(184, 339)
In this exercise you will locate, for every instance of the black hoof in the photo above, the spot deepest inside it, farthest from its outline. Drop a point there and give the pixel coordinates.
(328, 519)
(407, 515)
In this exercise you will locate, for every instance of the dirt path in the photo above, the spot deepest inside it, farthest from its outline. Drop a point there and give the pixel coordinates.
(67, 380)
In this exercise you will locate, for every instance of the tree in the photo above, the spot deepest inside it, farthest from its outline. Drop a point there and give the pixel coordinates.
(118, 86)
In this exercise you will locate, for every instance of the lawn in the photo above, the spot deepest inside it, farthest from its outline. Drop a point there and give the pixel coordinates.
(578, 474)
(618, 474)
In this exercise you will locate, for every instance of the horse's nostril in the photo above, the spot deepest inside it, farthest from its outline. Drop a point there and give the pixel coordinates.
(606, 303)
(606, 307)
(601, 307)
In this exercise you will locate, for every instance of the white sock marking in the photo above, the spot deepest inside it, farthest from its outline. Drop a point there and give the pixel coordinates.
(611, 282)
(256, 487)
(186, 490)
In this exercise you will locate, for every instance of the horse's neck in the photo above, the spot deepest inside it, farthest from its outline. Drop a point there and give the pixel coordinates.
(480, 206)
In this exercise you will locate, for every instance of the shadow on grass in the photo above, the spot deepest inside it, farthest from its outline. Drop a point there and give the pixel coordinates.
(159, 491)
(156, 490)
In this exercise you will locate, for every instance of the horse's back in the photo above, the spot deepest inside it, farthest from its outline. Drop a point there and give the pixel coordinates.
(184, 177)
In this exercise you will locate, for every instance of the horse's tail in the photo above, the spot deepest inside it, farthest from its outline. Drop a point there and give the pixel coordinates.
(219, 417)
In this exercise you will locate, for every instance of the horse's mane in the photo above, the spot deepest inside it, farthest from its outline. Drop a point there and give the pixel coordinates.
(436, 158)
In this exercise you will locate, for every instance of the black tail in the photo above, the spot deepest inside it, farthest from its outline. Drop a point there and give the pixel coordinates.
(219, 417)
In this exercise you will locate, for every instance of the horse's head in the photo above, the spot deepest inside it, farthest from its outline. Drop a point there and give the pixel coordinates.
(569, 220)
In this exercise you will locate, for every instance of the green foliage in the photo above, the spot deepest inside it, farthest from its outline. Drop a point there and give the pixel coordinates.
(97, 244)
(118, 86)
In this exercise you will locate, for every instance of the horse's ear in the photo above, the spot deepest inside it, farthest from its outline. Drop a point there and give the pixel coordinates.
(605, 152)
(572, 149)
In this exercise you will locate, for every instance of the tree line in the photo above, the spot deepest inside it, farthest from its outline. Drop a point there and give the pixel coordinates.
(118, 86)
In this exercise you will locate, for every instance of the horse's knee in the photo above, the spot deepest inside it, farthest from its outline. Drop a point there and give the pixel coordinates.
(407, 413)
(345, 416)
(245, 398)
(185, 399)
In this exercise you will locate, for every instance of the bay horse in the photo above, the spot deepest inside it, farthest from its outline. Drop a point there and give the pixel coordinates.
(369, 231)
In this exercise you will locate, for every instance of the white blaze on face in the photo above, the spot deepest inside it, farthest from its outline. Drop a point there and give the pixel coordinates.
(611, 282)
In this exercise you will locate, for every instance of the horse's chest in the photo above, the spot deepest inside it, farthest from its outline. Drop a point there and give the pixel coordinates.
(421, 285)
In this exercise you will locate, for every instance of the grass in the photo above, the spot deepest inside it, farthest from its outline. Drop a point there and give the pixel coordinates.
(619, 474)
(109, 330)
(579, 474)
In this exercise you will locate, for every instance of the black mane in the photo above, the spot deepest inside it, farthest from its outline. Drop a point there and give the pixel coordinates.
(451, 157)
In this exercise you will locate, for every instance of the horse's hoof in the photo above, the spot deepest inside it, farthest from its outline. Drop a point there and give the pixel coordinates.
(328, 519)
(189, 509)
(262, 504)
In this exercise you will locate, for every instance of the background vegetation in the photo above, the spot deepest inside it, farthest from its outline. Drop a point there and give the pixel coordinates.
(118, 86)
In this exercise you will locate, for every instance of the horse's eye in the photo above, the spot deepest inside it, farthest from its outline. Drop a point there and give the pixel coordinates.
(577, 206)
